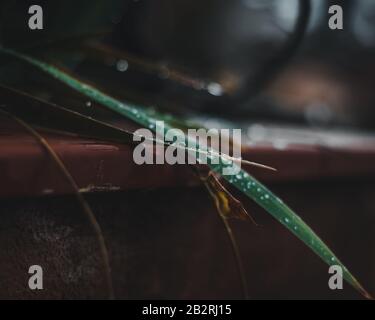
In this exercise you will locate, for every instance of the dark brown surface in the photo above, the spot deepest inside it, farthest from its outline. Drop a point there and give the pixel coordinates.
(165, 239)
(170, 243)
(27, 170)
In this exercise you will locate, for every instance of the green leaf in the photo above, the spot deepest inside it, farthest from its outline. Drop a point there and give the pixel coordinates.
(243, 181)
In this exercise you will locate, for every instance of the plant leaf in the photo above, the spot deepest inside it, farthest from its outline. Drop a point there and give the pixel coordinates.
(43, 114)
(226, 204)
(52, 117)
(227, 207)
(243, 181)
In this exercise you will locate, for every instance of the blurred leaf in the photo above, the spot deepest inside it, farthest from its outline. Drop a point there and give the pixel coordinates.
(226, 204)
(243, 181)
(101, 51)
(227, 207)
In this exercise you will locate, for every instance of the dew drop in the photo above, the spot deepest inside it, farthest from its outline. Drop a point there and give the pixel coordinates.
(215, 89)
(122, 65)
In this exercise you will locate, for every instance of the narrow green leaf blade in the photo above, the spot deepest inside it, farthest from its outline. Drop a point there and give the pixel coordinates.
(243, 181)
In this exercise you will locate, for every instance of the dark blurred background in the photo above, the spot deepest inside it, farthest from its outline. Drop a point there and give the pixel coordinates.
(190, 55)
(215, 61)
